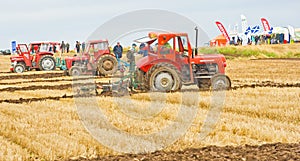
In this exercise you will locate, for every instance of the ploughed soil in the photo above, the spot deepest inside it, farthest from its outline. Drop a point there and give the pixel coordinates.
(39, 81)
(295, 59)
(263, 84)
(49, 87)
(45, 75)
(31, 76)
(85, 90)
(270, 152)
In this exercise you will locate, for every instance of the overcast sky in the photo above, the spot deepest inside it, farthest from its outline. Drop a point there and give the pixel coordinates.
(57, 20)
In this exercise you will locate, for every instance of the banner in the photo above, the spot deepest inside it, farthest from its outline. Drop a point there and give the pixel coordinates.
(244, 23)
(13, 47)
(265, 24)
(245, 29)
(297, 34)
(292, 31)
(223, 31)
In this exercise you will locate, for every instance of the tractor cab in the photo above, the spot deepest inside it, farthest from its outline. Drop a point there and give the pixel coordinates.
(92, 52)
(43, 47)
(167, 47)
(96, 59)
(96, 48)
(23, 55)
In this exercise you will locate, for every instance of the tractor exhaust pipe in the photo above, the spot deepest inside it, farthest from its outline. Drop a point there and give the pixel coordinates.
(196, 45)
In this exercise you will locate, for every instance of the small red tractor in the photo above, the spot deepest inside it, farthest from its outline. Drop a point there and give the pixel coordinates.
(96, 60)
(29, 59)
(170, 63)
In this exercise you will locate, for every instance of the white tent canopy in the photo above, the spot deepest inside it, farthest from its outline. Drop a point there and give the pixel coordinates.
(282, 30)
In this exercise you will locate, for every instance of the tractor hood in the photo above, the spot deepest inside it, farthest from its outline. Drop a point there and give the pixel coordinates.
(16, 58)
(209, 58)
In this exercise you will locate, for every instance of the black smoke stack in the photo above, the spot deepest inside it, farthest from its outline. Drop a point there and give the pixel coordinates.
(196, 47)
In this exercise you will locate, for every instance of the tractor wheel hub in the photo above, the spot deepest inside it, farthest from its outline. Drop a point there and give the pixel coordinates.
(163, 82)
(48, 64)
(107, 65)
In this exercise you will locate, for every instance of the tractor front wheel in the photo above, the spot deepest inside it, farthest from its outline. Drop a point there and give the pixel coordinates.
(19, 68)
(220, 82)
(107, 64)
(74, 71)
(164, 78)
(47, 62)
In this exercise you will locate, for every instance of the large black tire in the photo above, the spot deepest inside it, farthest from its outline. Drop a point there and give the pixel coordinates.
(47, 62)
(75, 71)
(220, 82)
(107, 64)
(19, 68)
(164, 77)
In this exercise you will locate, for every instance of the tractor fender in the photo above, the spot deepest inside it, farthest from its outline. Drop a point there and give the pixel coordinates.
(102, 55)
(45, 53)
(145, 66)
(40, 55)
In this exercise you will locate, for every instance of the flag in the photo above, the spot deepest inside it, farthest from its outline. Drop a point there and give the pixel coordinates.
(223, 30)
(255, 29)
(248, 30)
(13, 46)
(244, 23)
(265, 24)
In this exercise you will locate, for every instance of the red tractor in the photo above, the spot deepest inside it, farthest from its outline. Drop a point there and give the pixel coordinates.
(29, 59)
(170, 62)
(96, 59)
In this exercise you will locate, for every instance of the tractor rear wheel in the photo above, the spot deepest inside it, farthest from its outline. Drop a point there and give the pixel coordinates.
(220, 82)
(164, 77)
(47, 62)
(107, 64)
(74, 71)
(19, 68)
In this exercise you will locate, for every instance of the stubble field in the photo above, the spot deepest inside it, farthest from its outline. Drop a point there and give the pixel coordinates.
(40, 121)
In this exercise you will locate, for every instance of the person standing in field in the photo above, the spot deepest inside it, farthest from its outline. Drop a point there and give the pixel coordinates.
(77, 46)
(143, 49)
(62, 47)
(54, 48)
(67, 47)
(83, 46)
(133, 48)
(118, 50)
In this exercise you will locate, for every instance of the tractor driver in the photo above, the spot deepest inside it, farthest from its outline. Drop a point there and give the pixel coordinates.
(35, 50)
(166, 48)
(91, 52)
(154, 48)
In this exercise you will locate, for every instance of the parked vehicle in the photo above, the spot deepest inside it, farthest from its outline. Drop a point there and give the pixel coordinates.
(39, 60)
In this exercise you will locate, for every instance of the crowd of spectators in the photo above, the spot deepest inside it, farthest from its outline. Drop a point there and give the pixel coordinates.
(260, 39)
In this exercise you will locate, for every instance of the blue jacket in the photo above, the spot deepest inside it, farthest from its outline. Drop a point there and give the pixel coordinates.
(118, 50)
